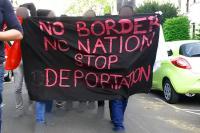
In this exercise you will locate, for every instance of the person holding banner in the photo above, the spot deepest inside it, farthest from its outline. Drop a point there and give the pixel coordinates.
(31, 7)
(18, 72)
(91, 104)
(83, 104)
(24, 11)
(118, 106)
(8, 17)
(42, 107)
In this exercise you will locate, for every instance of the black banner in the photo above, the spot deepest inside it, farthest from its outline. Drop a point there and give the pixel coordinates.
(98, 58)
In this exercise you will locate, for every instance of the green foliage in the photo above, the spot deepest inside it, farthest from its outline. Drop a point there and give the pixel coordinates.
(168, 9)
(107, 9)
(198, 33)
(176, 29)
(148, 7)
(101, 1)
(80, 6)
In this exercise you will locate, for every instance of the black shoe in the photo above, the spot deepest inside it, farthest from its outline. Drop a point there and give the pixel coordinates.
(120, 129)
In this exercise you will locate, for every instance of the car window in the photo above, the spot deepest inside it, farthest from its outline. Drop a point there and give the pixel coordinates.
(190, 50)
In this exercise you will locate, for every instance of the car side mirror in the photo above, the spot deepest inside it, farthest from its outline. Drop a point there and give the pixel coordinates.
(169, 52)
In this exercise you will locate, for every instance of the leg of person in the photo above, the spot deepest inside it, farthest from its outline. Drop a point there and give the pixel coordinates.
(125, 102)
(40, 117)
(31, 106)
(40, 112)
(48, 109)
(49, 106)
(100, 110)
(91, 104)
(117, 114)
(69, 105)
(18, 82)
(82, 106)
(110, 108)
(1, 89)
(101, 103)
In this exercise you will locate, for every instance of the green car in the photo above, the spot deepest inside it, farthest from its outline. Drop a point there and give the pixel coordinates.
(179, 73)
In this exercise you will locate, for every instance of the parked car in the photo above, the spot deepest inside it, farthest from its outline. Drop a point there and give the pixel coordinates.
(180, 72)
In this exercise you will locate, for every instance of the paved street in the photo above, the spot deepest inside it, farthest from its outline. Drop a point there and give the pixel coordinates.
(145, 114)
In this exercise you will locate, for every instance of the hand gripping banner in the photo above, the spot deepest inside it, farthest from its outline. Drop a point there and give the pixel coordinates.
(95, 58)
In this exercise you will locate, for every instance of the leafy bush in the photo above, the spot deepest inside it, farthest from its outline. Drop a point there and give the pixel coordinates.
(168, 9)
(148, 7)
(78, 7)
(176, 29)
(107, 9)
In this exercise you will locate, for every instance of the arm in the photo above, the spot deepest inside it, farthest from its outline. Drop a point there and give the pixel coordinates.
(10, 35)
(12, 22)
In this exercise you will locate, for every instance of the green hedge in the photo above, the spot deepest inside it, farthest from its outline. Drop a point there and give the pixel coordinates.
(148, 7)
(168, 9)
(176, 29)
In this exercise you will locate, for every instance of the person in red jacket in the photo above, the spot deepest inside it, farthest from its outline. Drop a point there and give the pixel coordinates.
(15, 32)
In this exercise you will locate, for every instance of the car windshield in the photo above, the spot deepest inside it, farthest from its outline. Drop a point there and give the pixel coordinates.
(190, 50)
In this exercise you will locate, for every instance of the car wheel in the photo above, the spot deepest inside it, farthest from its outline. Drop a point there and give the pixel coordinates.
(169, 93)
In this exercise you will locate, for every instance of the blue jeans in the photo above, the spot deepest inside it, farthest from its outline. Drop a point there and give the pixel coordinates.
(41, 109)
(49, 106)
(1, 89)
(117, 110)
